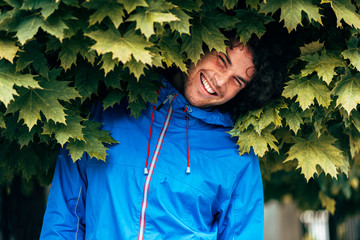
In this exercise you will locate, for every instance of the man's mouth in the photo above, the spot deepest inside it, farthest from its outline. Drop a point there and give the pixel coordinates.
(206, 85)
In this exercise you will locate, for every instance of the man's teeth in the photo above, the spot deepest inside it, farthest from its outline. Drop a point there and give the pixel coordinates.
(206, 85)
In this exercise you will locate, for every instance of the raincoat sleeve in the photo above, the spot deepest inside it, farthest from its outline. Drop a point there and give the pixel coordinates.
(65, 212)
(244, 218)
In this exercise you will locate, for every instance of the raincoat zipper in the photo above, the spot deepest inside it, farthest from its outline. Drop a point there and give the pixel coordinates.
(152, 165)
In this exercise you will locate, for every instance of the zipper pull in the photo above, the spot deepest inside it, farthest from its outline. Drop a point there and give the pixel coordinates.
(169, 98)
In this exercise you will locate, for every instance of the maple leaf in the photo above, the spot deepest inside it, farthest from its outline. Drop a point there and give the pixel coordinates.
(2, 121)
(47, 7)
(183, 25)
(354, 142)
(87, 79)
(306, 90)
(63, 132)
(105, 8)
(323, 64)
(172, 52)
(348, 91)
(314, 152)
(311, 48)
(93, 144)
(291, 11)
(113, 97)
(229, 4)
(157, 12)
(293, 119)
(33, 54)
(252, 3)
(250, 23)
(108, 63)
(73, 46)
(8, 78)
(141, 92)
(259, 142)
(192, 46)
(130, 5)
(327, 202)
(8, 49)
(27, 25)
(202, 32)
(136, 68)
(45, 100)
(344, 10)
(353, 52)
(121, 46)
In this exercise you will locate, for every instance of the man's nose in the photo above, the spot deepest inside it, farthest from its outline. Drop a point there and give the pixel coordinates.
(222, 77)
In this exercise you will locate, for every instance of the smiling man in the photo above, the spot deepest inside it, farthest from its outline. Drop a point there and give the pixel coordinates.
(145, 189)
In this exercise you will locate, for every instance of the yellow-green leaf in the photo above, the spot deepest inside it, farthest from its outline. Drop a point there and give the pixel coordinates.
(327, 202)
(345, 10)
(307, 90)
(314, 152)
(8, 49)
(324, 65)
(121, 46)
(348, 91)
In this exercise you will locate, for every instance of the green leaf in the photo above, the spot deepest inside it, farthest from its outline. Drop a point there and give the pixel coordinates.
(63, 132)
(311, 48)
(108, 63)
(8, 78)
(8, 49)
(74, 46)
(314, 152)
(183, 25)
(136, 68)
(353, 52)
(122, 47)
(293, 119)
(327, 202)
(113, 97)
(192, 46)
(2, 121)
(354, 142)
(33, 54)
(344, 10)
(252, 3)
(87, 80)
(130, 5)
(141, 92)
(259, 142)
(171, 53)
(93, 144)
(157, 12)
(250, 23)
(348, 91)
(306, 90)
(323, 64)
(105, 8)
(45, 100)
(291, 11)
(47, 7)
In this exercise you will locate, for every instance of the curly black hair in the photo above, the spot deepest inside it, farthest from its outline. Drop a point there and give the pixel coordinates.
(267, 83)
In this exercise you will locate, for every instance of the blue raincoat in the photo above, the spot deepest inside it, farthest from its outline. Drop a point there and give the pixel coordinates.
(194, 184)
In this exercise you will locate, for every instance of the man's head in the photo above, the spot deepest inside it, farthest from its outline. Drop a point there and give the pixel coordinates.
(243, 78)
(218, 77)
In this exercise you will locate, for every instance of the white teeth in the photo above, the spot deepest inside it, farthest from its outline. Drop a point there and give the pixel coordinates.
(206, 85)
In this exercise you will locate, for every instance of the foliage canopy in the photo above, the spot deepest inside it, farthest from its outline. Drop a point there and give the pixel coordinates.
(59, 56)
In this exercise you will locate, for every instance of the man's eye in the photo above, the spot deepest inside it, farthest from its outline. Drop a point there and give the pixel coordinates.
(238, 82)
(222, 60)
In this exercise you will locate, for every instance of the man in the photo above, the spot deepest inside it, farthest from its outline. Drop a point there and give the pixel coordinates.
(176, 173)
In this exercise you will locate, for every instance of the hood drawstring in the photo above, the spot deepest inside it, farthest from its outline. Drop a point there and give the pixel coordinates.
(146, 172)
(187, 143)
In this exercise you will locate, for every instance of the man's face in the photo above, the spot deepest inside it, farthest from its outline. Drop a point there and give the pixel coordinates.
(218, 77)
